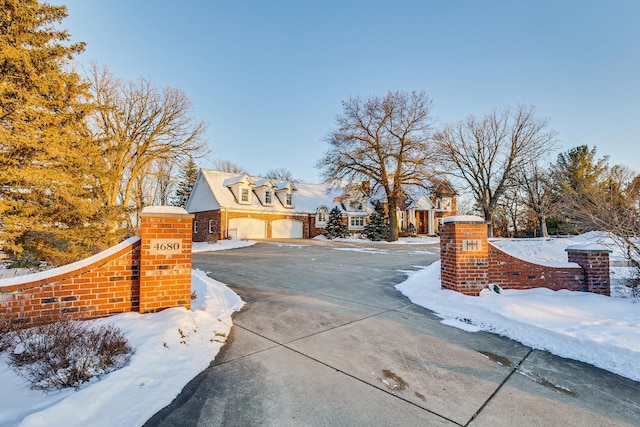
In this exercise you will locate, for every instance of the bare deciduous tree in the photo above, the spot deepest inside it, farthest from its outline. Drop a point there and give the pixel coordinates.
(510, 214)
(485, 152)
(228, 166)
(139, 125)
(385, 141)
(280, 173)
(538, 192)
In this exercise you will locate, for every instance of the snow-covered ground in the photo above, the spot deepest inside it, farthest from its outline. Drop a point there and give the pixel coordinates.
(220, 245)
(171, 348)
(603, 331)
(401, 241)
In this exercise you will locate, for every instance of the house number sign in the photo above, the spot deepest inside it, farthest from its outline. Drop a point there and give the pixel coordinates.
(471, 245)
(165, 246)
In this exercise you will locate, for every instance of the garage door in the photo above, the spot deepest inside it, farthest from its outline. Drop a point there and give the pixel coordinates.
(247, 228)
(286, 228)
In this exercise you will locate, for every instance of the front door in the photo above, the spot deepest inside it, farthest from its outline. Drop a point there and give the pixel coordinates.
(423, 222)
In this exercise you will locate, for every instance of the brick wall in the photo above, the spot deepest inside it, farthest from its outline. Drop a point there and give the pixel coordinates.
(464, 256)
(165, 260)
(595, 262)
(513, 273)
(313, 230)
(469, 262)
(202, 219)
(101, 285)
(131, 276)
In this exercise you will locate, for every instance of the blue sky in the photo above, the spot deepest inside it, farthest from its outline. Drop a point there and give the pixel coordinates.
(269, 76)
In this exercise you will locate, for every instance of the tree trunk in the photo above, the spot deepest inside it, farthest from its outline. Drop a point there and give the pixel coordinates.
(488, 216)
(542, 225)
(393, 219)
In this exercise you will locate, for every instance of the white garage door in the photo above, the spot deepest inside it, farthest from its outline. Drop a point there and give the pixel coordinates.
(247, 228)
(286, 228)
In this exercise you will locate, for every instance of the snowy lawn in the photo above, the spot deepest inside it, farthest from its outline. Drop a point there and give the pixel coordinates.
(603, 331)
(400, 241)
(171, 348)
(220, 245)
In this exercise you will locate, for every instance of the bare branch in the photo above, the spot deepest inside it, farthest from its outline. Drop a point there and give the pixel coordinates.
(486, 152)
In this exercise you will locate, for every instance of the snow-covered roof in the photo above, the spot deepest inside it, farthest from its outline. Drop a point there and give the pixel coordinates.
(262, 182)
(423, 204)
(284, 185)
(306, 200)
(232, 180)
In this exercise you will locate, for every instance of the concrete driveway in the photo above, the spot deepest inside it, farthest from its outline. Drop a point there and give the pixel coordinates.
(326, 340)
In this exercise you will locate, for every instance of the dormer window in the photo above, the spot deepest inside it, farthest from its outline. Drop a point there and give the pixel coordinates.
(288, 199)
(268, 198)
(244, 195)
(240, 186)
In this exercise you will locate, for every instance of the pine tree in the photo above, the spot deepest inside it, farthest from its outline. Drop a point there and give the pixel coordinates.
(185, 185)
(336, 228)
(50, 201)
(377, 228)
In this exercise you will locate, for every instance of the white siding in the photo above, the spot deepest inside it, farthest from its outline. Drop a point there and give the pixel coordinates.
(286, 228)
(247, 228)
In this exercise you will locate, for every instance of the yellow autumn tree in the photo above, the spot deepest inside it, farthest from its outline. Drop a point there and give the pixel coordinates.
(51, 205)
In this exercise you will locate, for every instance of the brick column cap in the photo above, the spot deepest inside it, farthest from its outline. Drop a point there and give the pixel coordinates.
(589, 248)
(464, 219)
(165, 212)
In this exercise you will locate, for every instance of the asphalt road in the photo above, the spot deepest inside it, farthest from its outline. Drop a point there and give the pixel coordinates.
(326, 340)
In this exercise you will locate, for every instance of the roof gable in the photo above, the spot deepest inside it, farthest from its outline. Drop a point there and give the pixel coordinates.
(201, 198)
(263, 182)
(240, 179)
(423, 203)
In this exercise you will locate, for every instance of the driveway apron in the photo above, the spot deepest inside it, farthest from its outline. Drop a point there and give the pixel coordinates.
(326, 340)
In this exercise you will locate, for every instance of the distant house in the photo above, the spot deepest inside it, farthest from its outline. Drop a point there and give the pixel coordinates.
(426, 213)
(228, 205)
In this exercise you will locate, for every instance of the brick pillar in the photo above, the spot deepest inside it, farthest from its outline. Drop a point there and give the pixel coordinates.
(165, 258)
(464, 254)
(594, 260)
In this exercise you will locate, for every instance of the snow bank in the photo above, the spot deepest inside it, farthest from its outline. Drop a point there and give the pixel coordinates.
(171, 348)
(220, 245)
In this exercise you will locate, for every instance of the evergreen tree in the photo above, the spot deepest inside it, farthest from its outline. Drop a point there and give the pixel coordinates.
(336, 228)
(578, 176)
(50, 201)
(377, 228)
(185, 185)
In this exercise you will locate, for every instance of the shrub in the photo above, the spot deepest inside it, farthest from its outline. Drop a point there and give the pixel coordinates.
(377, 228)
(5, 330)
(66, 353)
(336, 228)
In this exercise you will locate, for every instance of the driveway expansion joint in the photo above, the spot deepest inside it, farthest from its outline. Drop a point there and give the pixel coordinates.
(514, 369)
